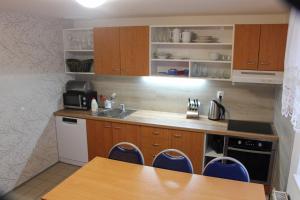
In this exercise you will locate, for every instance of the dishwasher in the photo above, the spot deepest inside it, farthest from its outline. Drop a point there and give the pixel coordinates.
(72, 140)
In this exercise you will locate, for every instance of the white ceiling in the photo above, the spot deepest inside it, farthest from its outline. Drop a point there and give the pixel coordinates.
(144, 8)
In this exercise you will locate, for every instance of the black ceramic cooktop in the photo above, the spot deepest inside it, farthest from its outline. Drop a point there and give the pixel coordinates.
(250, 126)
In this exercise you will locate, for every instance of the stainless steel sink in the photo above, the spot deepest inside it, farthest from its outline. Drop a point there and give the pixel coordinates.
(115, 113)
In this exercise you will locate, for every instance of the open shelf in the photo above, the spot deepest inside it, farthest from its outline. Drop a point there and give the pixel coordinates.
(205, 42)
(193, 43)
(81, 73)
(72, 50)
(189, 60)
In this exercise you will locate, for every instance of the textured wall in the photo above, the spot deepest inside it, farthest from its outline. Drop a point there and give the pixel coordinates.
(248, 102)
(31, 83)
(286, 139)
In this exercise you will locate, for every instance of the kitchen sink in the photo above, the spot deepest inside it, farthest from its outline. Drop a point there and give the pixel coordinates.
(115, 113)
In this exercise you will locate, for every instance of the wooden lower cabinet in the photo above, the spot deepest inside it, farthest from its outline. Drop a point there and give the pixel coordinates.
(190, 143)
(100, 138)
(103, 135)
(153, 140)
(126, 133)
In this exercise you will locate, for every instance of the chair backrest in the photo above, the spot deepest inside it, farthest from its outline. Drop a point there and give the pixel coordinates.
(234, 170)
(132, 154)
(180, 163)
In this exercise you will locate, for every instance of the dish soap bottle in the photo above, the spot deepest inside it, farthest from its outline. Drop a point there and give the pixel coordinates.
(94, 107)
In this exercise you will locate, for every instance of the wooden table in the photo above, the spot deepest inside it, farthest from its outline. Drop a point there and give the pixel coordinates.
(108, 179)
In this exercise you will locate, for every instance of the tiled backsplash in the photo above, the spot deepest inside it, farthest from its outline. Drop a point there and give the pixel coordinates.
(247, 101)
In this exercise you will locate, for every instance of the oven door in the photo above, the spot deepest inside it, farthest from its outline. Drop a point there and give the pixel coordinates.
(256, 162)
(72, 100)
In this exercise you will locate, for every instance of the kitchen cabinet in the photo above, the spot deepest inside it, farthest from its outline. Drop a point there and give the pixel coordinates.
(246, 46)
(122, 51)
(153, 141)
(100, 138)
(103, 135)
(126, 133)
(260, 47)
(190, 143)
(272, 47)
(107, 51)
(134, 48)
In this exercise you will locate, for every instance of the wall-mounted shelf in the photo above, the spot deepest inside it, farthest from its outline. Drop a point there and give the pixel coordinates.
(81, 73)
(78, 44)
(192, 43)
(188, 60)
(195, 55)
(69, 50)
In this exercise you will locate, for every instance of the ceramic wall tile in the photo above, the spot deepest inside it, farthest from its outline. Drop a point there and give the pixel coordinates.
(242, 101)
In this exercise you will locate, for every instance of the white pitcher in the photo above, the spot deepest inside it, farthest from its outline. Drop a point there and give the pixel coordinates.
(175, 35)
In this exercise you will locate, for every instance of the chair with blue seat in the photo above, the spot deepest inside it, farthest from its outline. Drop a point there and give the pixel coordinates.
(180, 162)
(126, 152)
(234, 170)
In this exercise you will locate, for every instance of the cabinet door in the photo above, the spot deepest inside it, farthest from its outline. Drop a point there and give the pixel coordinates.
(100, 138)
(153, 141)
(272, 47)
(134, 47)
(191, 144)
(246, 47)
(107, 51)
(126, 133)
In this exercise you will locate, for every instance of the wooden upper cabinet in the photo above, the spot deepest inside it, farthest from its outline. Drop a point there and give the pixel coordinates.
(107, 51)
(246, 47)
(260, 47)
(272, 47)
(134, 48)
(100, 138)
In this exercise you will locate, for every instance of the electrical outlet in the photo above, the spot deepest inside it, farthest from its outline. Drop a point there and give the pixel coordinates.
(220, 95)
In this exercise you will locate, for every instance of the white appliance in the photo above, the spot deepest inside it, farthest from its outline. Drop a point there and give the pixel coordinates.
(72, 140)
(248, 76)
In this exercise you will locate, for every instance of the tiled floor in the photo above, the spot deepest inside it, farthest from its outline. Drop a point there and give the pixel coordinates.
(43, 183)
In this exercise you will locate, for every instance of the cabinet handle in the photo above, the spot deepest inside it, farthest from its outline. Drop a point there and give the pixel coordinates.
(156, 145)
(153, 156)
(177, 136)
(251, 62)
(107, 126)
(264, 63)
(155, 133)
(117, 128)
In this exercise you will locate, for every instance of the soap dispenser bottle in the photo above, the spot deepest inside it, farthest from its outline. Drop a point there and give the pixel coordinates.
(94, 106)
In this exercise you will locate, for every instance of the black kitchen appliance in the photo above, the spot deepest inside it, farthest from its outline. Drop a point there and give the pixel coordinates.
(79, 95)
(256, 155)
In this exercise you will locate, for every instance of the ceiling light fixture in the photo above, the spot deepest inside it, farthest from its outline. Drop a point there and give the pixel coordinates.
(91, 3)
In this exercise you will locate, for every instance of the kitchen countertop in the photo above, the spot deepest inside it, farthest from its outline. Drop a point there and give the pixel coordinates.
(170, 120)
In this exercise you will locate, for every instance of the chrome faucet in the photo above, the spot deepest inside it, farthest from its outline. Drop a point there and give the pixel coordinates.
(122, 107)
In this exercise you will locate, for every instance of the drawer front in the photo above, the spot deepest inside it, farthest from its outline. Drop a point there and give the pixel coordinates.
(149, 155)
(154, 138)
(153, 141)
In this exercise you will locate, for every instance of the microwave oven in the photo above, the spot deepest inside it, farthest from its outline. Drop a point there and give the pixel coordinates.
(78, 99)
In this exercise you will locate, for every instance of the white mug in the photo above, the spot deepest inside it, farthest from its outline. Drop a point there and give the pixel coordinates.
(186, 37)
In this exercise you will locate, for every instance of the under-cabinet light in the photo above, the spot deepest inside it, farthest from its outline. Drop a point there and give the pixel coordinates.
(91, 3)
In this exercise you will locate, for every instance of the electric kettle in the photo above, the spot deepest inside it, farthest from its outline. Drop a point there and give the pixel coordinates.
(216, 111)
